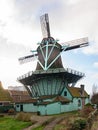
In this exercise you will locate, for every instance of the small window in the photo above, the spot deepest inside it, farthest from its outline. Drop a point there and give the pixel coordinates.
(65, 93)
(0, 103)
(79, 103)
(17, 105)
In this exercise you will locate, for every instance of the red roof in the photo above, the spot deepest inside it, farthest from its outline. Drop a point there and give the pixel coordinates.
(19, 96)
(28, 101)
(61, 99)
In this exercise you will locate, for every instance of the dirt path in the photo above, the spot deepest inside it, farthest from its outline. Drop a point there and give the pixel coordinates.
(39, 119)
(52, 124)
(42, 119)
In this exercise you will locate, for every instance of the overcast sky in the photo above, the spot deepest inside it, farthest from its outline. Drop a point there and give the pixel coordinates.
(20, 31)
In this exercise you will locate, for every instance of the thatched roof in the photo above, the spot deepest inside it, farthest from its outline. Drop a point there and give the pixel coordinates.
(4, 94)
(75, 92)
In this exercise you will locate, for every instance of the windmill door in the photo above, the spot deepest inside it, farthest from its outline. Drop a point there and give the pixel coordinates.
(21, 107)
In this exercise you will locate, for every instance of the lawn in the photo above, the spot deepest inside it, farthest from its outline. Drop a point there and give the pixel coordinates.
(10, 123)
(39, 128)
(19, 122)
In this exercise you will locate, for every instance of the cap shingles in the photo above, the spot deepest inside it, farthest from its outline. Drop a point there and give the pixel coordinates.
(76, 92)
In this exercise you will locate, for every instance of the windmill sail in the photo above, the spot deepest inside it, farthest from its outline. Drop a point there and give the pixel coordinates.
(27, 58)
(48, 53)
(74, 44)
(44, 20)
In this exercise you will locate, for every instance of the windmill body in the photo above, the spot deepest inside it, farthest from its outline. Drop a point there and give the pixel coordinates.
(50, 77)
(49, 54)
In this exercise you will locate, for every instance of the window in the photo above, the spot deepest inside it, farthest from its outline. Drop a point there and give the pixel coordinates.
(65, 93)
(0, 103)
(17, 105)
(79, 103)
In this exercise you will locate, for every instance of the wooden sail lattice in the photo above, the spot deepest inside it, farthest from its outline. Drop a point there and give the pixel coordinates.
(48, 53)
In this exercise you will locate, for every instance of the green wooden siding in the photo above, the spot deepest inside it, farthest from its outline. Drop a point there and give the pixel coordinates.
(68, 96)
(17, 107)
(27, 107)
(47, 86)
(54, 108)
(42, 109)
(66, 107)
(87, 100)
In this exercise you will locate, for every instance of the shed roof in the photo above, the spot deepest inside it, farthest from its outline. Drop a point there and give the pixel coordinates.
(19, 96)
(61, 99)
(27, 101)
(18, 92)
(55, 99)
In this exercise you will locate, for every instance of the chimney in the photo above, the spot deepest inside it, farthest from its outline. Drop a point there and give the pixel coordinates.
(82, 95)
(82, 89)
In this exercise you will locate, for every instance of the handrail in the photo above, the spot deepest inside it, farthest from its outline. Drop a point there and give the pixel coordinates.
(69, 70)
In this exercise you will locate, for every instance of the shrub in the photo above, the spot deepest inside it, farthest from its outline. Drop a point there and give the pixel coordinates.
(11, 111)
(24, 116)
(1, 115)
(86, 110)
(79, 124)
(4, 109)
(89, 104)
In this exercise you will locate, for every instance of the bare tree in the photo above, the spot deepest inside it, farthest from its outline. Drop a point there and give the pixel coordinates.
(94, 89)
(94, 99)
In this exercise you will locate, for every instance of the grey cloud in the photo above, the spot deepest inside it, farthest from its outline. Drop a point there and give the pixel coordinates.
(63, 13)
(31, 10)
(74, 19)
(12, 50)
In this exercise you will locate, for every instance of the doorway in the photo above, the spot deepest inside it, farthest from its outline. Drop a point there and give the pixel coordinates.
(21, 107)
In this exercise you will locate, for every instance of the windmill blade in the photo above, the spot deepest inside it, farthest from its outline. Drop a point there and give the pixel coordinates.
(74, 44)
(44, 20)
(28, 58)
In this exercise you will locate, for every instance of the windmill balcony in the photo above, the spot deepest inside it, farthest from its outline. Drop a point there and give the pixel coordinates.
(58, 71)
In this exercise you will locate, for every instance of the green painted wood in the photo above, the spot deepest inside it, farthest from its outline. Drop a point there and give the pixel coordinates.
(54, 108)
(69, 96)
(27, 107)
(30, 108)
(48, 86)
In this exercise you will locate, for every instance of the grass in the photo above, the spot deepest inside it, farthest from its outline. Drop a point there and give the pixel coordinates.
(69, 119)
(45, 123)
(59, 127)
(95, 126)
(39, 128)
(10, 123)
(21, 121)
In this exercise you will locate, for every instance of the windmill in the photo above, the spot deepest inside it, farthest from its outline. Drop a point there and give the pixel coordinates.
(50, 77)
(48, 53)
